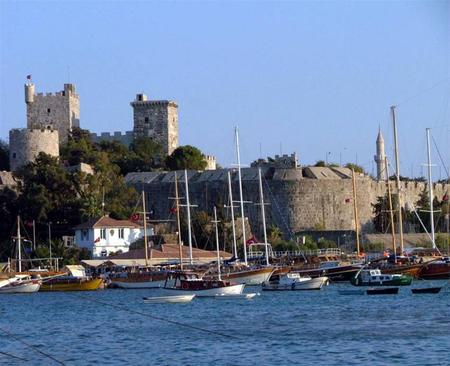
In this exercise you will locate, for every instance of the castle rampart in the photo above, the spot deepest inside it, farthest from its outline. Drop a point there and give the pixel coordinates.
(296, 202)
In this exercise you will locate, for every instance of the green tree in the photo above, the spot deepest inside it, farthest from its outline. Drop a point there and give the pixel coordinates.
(4, 155)
(355, 167)
(186, 157)
(148, 155)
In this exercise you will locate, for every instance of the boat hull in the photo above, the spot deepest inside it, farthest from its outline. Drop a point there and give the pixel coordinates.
(435, 271)
(305, 285)
(227, 290)
(138, 285)
(383, 291)
(168, 299)
(338, 274)
(251, 277)
(88, 285)
(404, 280)
(23, 288)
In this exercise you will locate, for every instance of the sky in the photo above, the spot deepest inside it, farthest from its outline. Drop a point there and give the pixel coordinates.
(312, 77)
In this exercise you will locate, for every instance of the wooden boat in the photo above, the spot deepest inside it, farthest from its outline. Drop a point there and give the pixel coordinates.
(139, 280)
(427, 290)
(334, 270)
(351, 292)
(412, 270)
(374, 277)
(192, 284)
(293, 282)
(168, 299)
(248, 296)
(436, 270)
(383, 291)
(72, 283)
(20, 284)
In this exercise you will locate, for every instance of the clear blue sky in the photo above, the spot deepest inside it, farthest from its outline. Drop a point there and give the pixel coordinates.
(317, 78)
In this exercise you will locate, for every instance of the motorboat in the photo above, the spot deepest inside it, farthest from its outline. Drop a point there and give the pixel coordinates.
(351, 292)
(20, 283)
(374, 277)
(191, 283)
(168, 299)
(294, 281)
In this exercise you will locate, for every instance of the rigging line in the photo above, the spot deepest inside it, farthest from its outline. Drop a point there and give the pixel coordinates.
(154, 317)
(34, 348)
(422, 91)
(440, 156)
(13, 356)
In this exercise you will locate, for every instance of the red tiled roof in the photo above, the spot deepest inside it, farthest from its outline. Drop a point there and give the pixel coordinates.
(170, 251)
(107, 222)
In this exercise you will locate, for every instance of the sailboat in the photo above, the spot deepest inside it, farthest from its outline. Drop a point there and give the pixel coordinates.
(192, 284)
(138, 278)
(20, 283)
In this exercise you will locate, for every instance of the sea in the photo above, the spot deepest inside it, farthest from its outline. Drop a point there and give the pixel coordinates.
(115, 327)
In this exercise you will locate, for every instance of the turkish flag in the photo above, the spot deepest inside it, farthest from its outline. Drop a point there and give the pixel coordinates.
(445, 198)
(252, 240)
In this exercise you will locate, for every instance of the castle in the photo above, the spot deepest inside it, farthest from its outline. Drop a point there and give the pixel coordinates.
(51, 118)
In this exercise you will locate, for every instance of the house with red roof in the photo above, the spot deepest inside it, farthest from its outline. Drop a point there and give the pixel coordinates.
(104, 236)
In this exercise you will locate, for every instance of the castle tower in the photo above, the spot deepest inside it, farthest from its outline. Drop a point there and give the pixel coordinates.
(380, 157)
(26, 144)
(59, 111)
(157, 119)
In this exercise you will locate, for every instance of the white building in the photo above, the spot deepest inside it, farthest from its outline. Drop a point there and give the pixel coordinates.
(105, 236)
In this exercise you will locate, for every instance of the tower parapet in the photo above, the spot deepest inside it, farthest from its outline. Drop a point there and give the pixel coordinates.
(59, 111)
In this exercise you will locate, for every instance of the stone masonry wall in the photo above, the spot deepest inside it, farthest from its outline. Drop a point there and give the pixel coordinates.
(26, 144)
(158, 120)
(59, 111)
(295, 204)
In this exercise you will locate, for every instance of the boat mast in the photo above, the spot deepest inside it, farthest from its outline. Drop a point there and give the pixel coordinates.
(217, 243)
(397, 166)
(232, 216)
(178, 221)
(19, 244)
(188, 205)
(263, 214)
(355, 211)
(430, 189)
(241, 195)
(145, 229)
(391, 212)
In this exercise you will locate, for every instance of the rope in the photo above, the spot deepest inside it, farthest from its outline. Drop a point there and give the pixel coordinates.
(34, 348)
(155, 317)
(12, 356)
(440, 156)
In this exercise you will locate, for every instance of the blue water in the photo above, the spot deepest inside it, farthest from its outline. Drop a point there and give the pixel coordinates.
(276, 328)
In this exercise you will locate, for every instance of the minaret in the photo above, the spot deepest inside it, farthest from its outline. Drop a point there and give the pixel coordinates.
(380, 157)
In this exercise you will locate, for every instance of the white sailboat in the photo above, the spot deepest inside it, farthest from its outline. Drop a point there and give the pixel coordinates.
(20, 283)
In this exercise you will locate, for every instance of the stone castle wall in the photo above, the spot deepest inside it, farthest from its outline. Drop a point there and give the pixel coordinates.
(158, 120)
(295, 203)
(26, 144)
(59, 111)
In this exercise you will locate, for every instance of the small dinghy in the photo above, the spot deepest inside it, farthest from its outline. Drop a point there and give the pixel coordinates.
(426, 290)
(236, 297)
(351, 292)
(168, 299)
(383, 291)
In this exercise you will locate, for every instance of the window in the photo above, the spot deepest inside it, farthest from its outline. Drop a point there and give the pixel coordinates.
(84, 234)
(121, 234)
(14, 155)
(103, 233)
(111, 232)
(48, 110)
(146, 120)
